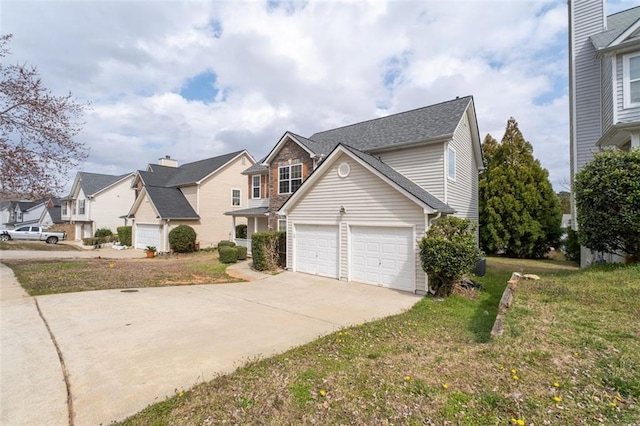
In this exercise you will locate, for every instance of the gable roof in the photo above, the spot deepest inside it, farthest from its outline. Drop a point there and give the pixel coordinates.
(432, 122)
(92, 183)
(617, 25)
(376, 166)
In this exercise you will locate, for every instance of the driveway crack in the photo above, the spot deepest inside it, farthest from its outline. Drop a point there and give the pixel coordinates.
(63, 366)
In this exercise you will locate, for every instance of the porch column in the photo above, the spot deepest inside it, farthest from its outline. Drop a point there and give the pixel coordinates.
(233, 230)
(255, 225)
(635, 140)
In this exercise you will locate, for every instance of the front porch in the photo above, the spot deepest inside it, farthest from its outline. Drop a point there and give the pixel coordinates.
(257, 221)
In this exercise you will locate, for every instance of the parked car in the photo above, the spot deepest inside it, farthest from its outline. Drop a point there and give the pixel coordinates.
(34, 233)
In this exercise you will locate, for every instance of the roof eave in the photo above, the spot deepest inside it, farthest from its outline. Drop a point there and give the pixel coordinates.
(436, 139)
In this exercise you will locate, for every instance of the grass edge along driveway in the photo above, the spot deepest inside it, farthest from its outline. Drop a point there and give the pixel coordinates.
(570, 355)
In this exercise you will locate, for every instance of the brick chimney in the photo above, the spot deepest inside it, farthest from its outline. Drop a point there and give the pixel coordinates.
(167, 161)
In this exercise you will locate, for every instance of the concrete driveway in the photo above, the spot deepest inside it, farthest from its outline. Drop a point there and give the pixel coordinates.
(122, 351)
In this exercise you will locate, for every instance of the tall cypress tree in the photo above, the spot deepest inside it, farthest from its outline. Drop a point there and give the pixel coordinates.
(519, 211)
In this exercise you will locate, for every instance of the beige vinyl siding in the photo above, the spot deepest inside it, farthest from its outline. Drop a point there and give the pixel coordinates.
(109, 205)
(367, 199)
(191, 194)
(462, 193)
(424, 165)
(628, 115)
(145, 213)
(214, 199)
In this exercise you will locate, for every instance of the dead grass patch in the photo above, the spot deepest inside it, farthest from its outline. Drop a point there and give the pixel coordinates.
(63, 276)
(37, 246)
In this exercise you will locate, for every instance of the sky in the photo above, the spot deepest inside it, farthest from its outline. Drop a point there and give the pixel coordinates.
(195, 79)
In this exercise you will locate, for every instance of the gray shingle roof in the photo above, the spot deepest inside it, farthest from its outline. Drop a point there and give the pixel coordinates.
(257, 168)
(162, 184)
(617, 24)
(402, 181)
(56, 214)
(171, 203)
(255, 211)
(427, 123)
(92, 183)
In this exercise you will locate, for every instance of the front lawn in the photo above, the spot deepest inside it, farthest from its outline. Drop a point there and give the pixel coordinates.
(570, 354)
(39, 277)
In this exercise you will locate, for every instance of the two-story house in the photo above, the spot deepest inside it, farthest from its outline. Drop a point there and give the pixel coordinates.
(604, 85)
(356, 200)
(97, 201)
(195, 194)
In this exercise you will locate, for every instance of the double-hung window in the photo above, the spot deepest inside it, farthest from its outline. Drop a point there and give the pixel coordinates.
(235, 197)
(80, 206)
(289, 178)
(631, 78)
(255, 186)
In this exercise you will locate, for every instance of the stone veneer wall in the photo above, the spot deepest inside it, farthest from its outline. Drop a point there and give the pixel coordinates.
(290, 153)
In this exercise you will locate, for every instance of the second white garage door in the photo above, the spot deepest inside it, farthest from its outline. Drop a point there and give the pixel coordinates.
(383, 256)
(317, 250)
(148, 235)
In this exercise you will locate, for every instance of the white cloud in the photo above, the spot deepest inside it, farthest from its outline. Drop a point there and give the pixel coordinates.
(301, 67)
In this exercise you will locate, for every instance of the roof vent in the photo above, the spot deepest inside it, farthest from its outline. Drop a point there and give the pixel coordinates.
(168, 161)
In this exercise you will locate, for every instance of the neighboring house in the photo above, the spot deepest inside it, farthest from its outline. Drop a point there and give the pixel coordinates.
(604, 84)
(97, 201)
(18, 213)
(196, 194)
(51, 214)
(356, 200)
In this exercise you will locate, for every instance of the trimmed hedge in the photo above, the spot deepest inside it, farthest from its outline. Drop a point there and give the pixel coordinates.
(124, 235)
(268, 250)
(226, 243)
(242, 252)
(103, 232)
(182, 239)
(228, 254)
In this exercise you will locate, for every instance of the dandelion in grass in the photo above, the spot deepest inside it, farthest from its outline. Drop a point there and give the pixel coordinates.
(556, 384)
(514, 371)
(612, 404)
(515, 377)
(181, 394)
(323, 392)
(518, 422)
(445, 386)
(557, 398)
(407, 378)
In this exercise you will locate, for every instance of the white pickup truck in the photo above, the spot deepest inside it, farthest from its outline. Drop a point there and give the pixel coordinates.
(34, 233)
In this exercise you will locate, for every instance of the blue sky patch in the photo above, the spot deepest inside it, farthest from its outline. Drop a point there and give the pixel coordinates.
(201, 87)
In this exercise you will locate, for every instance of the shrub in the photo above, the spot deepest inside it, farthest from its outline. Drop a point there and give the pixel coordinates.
(266, 248)
(242, 252)
(182, 239)
(225, 243)
(571, 246)
(228, 254)
(241, 231)
(93, 241)
(447, 252)
(103, 232)
(124, 235)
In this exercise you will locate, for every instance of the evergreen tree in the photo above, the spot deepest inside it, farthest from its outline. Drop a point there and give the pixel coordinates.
(519, 211)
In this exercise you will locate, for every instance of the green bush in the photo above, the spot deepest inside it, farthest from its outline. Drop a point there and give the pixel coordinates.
(571, 246)
(226, 243)
(182, 239)
(103, 232)
(124, 235)
(241, 231)
(93, 241)
(447, 252)
(228, 254)
(242, 252)
(267, 249)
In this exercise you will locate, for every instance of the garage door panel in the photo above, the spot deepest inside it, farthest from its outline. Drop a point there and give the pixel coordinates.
(148, 235)
(383, 256)
(316, 250)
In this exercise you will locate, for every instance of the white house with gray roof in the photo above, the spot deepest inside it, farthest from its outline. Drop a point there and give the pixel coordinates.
(97, 201)
(356, 200)
(604, 84)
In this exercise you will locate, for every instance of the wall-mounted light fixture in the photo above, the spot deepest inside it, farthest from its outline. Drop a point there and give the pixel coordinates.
(342, 210)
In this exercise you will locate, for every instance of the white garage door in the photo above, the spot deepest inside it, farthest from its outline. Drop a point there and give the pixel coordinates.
(317, 250)
(383, 256)
(148, 235)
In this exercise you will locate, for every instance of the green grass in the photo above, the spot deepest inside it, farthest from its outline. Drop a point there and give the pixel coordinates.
(436, 364)
(37, 246)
